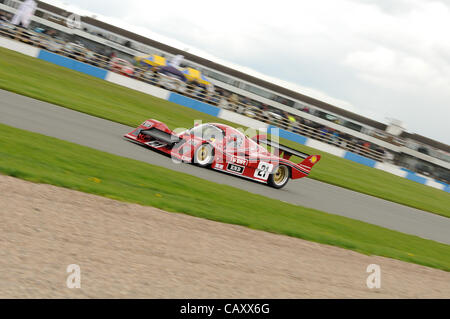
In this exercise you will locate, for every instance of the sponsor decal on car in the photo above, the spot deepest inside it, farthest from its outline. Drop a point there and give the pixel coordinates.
(239, 160)
(156, 144)
(235, 168)
(263, 171)
(147, 124)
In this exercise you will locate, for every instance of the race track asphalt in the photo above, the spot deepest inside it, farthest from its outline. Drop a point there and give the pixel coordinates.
(51, 120)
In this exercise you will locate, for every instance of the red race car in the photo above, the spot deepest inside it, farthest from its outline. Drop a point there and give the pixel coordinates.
(226, 149)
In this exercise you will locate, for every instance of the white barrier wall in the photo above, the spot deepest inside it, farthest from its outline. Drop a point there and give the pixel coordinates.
(325, 147)
(19, 47)
(241, 119)
(391, 169)
(137, 85)
(434, 184)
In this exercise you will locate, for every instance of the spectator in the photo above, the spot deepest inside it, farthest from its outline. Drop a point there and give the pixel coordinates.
(223, 103)
(264, 112)
(201, 92)
(234, 102)
(234, 98)
(300, 125)
(292, 121)
(244, 100)
(345, 138)
(176, 60)
(5, 16)
(220, 92)
(335, 137)
(388, 157)
(51, 33)
(211, 94)
(355, 145)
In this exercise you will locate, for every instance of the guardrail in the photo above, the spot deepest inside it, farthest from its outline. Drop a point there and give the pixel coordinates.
(153, 77)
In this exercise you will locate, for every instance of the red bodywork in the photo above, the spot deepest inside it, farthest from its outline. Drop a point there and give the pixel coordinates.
(248, 159)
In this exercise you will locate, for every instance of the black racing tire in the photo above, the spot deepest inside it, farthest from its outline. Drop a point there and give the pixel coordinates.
(279, 177)
(204, 155)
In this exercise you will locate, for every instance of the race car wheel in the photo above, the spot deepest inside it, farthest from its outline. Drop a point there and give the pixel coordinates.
(279, 177)
(204, 155)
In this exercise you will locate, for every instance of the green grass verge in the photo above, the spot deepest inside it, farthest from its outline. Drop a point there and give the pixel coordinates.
(81, 92)
(74, 90)
(43, 159)
(337, 171)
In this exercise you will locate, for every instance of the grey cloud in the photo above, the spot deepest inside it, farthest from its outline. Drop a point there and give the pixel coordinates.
(393, 7)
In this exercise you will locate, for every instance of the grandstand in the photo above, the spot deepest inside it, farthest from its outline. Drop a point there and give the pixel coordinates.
(261, 99)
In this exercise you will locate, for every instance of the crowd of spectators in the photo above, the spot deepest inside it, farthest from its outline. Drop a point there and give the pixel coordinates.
(5, 16)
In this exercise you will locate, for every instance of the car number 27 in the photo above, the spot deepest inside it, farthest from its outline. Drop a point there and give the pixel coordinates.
(263, 170)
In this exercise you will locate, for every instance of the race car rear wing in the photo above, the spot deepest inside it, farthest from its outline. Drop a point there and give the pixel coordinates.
(287, 151)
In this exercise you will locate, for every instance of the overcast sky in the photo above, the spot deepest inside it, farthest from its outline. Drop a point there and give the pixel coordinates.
(379, 58)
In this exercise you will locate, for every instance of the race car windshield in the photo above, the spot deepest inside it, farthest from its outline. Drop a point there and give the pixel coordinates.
(236, 141)
(240, 141)
(207, 132)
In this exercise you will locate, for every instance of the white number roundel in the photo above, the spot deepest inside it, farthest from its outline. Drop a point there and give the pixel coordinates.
(263, 171)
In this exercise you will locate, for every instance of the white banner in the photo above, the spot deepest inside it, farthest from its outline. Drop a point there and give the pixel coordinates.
(24, 13)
